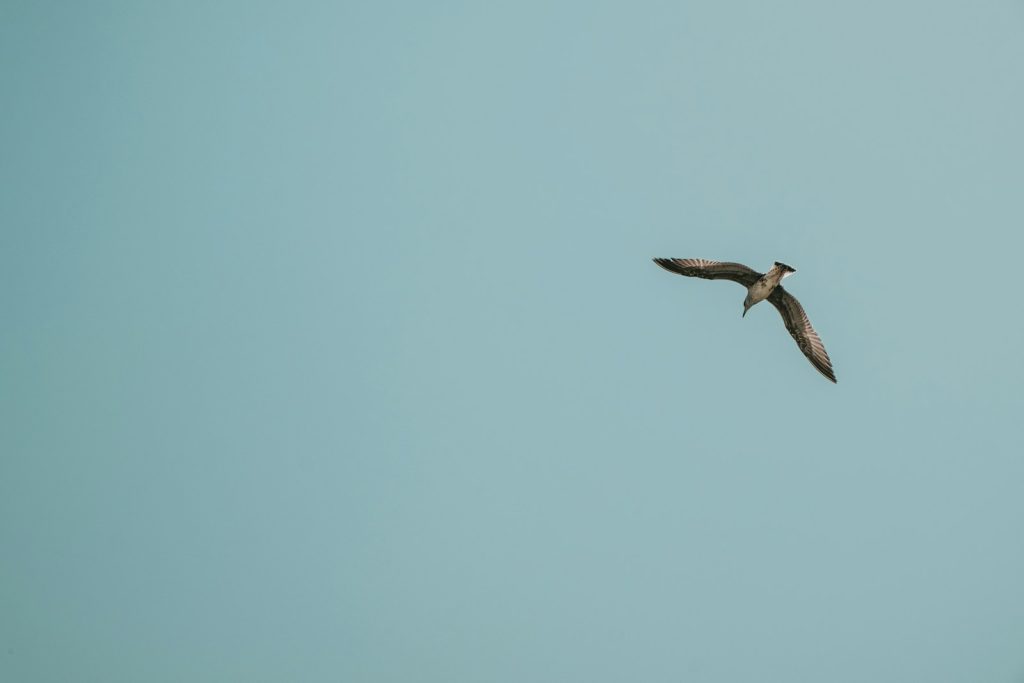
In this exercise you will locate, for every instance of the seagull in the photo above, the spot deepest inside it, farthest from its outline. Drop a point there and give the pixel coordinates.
(761, 286)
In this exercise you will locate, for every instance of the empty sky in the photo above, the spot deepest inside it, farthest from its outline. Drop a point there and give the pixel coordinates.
(332, 349)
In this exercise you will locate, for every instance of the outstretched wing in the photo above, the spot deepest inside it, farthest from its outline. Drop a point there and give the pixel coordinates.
(710, 270)
(799, 326)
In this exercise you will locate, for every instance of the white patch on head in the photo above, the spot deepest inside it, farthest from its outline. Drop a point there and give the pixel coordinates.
(787, 274)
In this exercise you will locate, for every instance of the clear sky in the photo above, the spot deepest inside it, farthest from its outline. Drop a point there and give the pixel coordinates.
(332, 349)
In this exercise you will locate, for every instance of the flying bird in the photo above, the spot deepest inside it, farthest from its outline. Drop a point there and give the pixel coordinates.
(761, 286)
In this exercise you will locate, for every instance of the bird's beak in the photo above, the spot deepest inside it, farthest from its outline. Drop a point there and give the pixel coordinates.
(744, 313)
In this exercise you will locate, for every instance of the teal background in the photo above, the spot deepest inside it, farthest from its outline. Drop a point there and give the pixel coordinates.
(332, 349)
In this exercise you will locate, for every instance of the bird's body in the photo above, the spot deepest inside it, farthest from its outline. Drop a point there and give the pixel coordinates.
(761, 286)
(766, 284)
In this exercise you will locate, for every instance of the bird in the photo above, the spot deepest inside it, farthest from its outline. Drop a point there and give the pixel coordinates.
(761, 286)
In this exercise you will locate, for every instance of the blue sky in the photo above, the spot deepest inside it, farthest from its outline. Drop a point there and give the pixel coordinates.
(334, 351)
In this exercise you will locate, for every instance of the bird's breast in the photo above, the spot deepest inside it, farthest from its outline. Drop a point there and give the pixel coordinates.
(760, 290)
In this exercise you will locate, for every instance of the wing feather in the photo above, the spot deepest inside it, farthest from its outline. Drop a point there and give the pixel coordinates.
(799, 326)
(710, 270)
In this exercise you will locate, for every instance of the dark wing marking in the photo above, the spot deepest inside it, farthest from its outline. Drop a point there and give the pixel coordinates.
(710, 270)
(799, 326)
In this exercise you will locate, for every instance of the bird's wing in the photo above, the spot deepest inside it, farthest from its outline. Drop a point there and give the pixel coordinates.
(799, 326)
(710, 270)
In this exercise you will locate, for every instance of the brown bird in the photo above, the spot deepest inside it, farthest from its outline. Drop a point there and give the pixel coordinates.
(761, 286)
